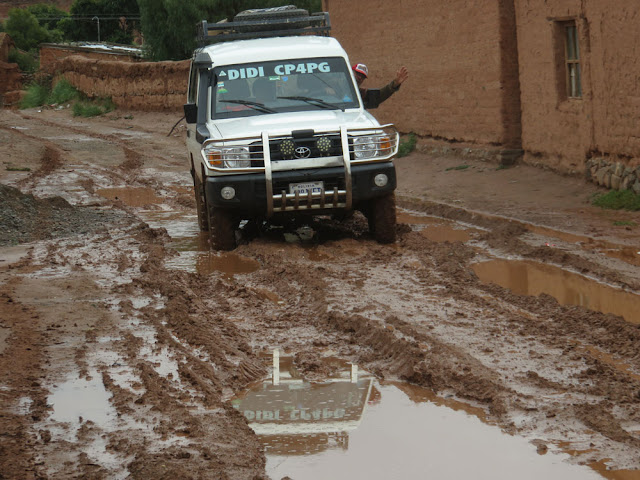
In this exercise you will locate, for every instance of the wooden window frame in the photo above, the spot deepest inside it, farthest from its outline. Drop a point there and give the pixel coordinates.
(573, 75)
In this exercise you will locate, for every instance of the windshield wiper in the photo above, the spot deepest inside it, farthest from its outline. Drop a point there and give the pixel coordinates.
(315, 101)
(255, 105)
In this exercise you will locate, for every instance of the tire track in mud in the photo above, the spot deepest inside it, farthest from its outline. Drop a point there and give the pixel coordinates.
(128, 172)
(390, 346)
(24, 353)
(504, 235)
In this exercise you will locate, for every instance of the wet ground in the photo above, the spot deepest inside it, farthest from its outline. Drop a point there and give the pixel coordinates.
(498, 338)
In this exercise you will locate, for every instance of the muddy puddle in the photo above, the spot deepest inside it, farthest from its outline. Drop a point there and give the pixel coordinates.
(133, 197)
(532, 278)
(192, 246)
(81, 404)
(437, 229)
(353, 426)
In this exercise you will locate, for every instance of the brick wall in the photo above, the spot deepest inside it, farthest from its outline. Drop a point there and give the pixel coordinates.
(50, 54)
(141, 85)
(560, 132)
(463, 82)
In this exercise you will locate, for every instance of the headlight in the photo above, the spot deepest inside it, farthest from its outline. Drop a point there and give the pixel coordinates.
(236, 157)
(364, 147)
(227, 157)
(371, 146)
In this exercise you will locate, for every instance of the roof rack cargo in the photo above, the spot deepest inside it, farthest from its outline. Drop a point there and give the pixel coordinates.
(314, 24)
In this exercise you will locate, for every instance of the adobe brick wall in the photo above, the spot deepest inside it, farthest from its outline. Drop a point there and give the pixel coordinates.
(461, 57)
(5, 45)
(615, 72)
(151, 86)
(50, 54)
(10, 74)
(562, 133)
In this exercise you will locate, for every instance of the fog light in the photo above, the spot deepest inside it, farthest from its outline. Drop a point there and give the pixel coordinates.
(228, 193)
(380, 180)
(324, 145)
(287, 147)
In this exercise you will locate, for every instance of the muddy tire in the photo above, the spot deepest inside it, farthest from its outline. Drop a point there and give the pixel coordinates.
(381, 214)
(201, 205)
(222, 229)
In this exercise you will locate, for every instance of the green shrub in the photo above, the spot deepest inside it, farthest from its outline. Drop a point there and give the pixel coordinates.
(27, 62)
(85, 108)
(36, 96)
(63, 92)
(407, 145)
(618, 200)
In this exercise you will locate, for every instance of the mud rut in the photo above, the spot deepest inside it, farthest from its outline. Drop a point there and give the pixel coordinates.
(103, 308)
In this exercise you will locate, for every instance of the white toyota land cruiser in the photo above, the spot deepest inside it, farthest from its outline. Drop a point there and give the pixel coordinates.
(277, 127)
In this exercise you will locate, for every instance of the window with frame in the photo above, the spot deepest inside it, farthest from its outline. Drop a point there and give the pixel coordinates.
(572, 60)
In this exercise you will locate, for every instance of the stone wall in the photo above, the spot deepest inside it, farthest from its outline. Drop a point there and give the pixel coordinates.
(461, 57)
(147, 86)
(612, 174)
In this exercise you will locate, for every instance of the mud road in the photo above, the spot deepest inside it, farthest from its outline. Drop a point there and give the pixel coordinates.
(128, 350)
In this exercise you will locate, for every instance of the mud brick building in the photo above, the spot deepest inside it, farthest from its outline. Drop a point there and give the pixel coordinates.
(558, 79)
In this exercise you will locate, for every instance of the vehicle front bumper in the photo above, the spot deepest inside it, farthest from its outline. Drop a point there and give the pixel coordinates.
(251, 191)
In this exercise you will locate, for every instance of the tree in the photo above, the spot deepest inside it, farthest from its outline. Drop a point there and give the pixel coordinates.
(115, 20)
(169, 26)
(48, 15)
(24, 29)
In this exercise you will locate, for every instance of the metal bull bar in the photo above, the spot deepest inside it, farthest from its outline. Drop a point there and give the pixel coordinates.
(289, 202)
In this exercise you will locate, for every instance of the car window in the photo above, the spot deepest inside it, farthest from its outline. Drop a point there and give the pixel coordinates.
(282, 86)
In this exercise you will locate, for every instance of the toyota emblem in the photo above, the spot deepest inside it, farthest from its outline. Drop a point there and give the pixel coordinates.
(303, 152)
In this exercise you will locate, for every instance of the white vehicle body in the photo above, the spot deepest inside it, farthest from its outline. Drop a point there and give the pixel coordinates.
(277, 126)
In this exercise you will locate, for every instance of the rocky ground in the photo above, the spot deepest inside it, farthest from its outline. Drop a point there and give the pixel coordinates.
(106, 290)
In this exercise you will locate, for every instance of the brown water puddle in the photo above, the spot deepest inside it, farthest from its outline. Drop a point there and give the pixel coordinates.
(131, 196)
(352, 426)
(436, 229)
(532, 278)
(229, 264)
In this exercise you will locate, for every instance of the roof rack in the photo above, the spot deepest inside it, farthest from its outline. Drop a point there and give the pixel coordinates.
(314, 24)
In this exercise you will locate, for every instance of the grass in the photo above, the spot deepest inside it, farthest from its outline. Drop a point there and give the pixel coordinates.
(93, 108)
(18, 169)
(625, 223)
(63, 92)
(36, 96)
(459, 167)
(39, 94)
(407, 145)
(27, 62)
(618, 200)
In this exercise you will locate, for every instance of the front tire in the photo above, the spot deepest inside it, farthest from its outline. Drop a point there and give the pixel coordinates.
(201, 205)
(381, 214)
(222, 229)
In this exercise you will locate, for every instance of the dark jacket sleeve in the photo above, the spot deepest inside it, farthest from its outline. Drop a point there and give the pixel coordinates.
(384, 93)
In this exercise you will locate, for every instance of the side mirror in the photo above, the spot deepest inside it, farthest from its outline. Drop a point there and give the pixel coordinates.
(191, 112)
(372, 99)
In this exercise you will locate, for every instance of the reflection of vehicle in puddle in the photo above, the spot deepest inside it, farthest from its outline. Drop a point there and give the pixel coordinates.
(295, 417)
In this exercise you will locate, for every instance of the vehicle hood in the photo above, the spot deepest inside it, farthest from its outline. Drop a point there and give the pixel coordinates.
(284, 123)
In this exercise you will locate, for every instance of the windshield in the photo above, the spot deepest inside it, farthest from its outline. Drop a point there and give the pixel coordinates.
(282, 86)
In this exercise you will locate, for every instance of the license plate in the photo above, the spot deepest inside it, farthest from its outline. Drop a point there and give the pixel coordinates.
(304, 188)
